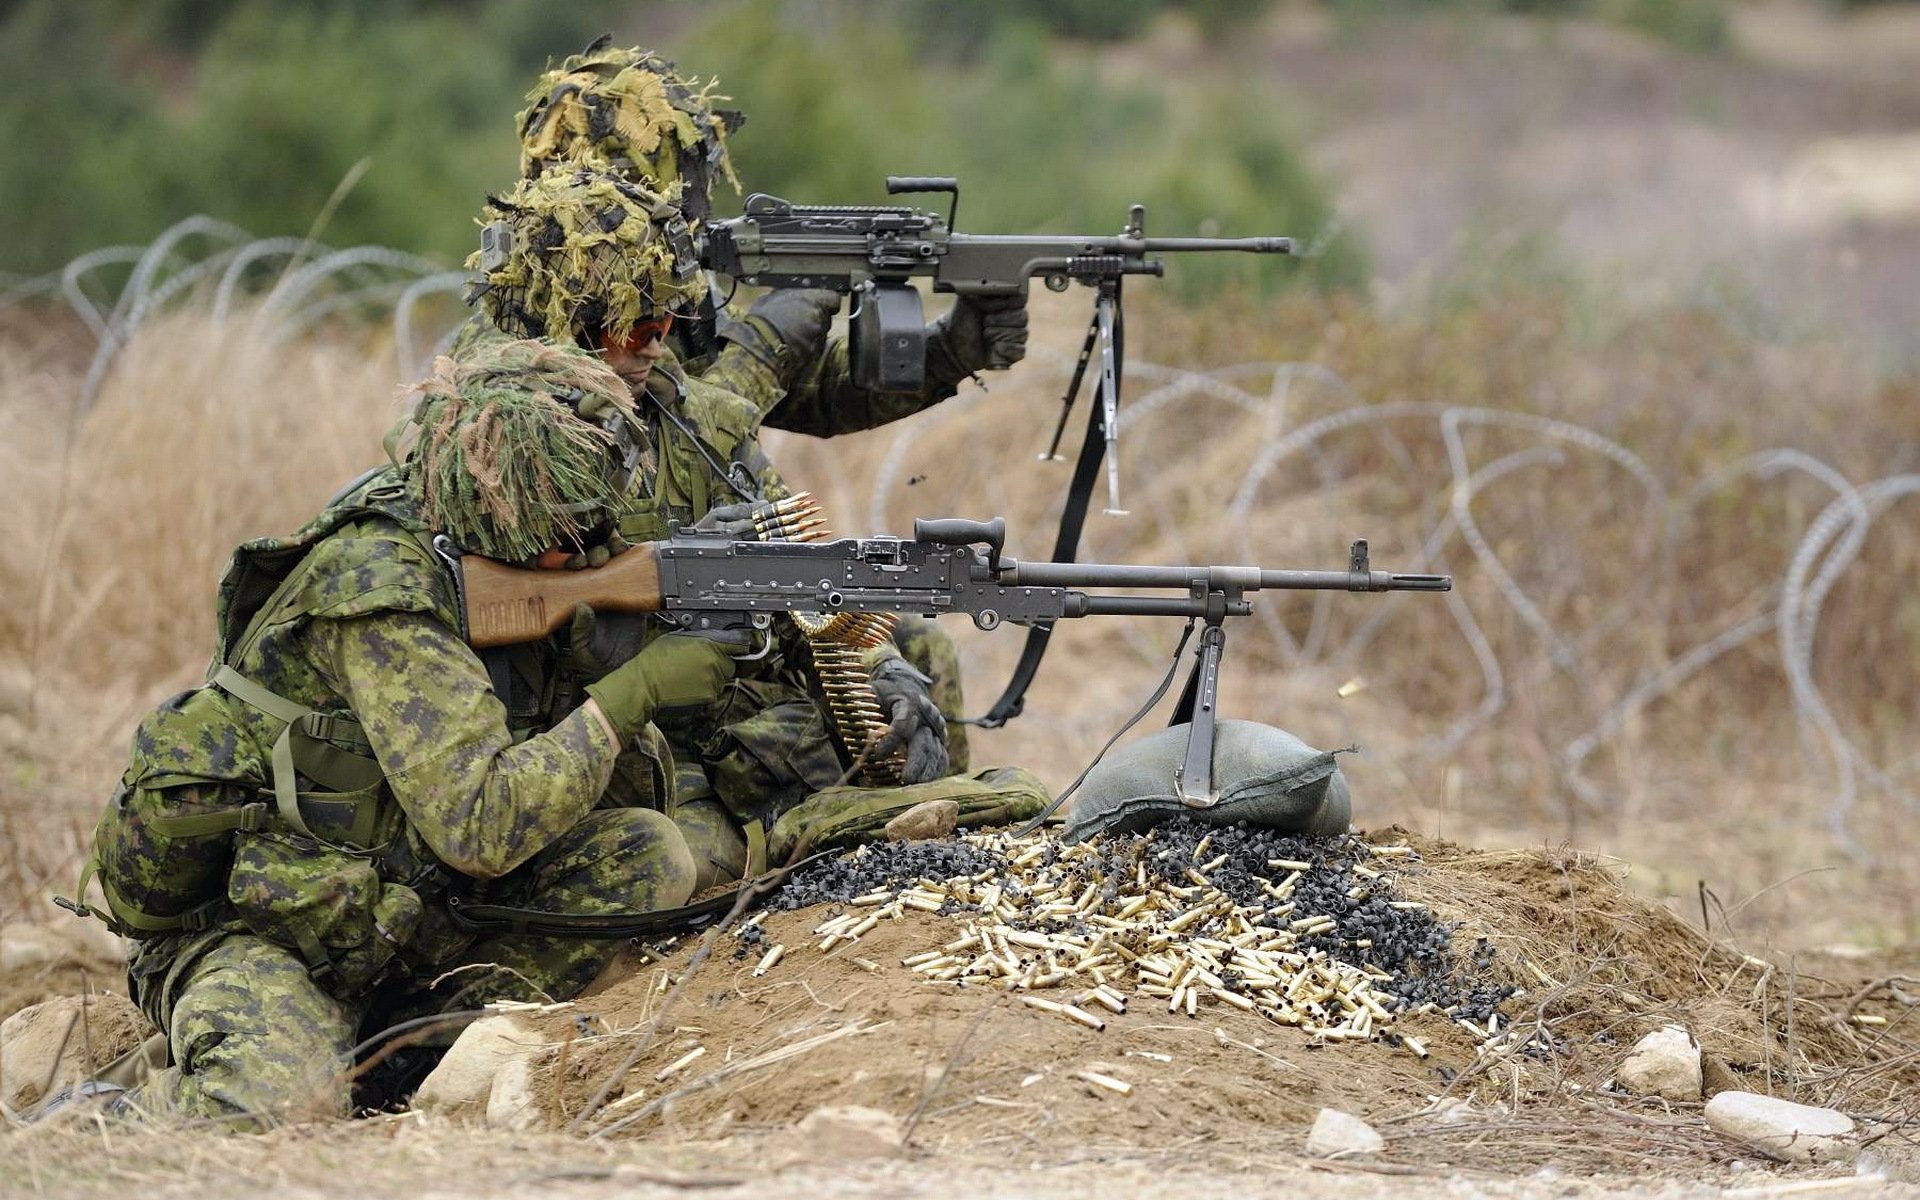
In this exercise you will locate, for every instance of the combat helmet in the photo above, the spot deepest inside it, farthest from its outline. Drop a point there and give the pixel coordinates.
(576, 255)
(519, 447)
(629, 112)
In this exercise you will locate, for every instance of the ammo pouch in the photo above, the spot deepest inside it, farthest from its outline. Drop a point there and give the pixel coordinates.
(841, 817)
(325, 901)
(199, 780)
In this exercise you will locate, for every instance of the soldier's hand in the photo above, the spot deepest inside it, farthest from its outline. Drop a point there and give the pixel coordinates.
(729, 520)
(797, 318)
(676, 671)
(984, 333)
(599, 642)
(916, 727)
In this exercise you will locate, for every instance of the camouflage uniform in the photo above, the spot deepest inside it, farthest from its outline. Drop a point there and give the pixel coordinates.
(560, 247)
(630, 113)
(332, 922)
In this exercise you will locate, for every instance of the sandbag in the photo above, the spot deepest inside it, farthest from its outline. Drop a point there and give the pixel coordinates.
(1265, 776)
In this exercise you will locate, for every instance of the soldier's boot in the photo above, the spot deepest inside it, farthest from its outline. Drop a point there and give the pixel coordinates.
(255, 1041)
(933, 653)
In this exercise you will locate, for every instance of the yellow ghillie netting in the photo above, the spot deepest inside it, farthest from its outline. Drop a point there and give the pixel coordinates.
(628, 112)
(578, 252)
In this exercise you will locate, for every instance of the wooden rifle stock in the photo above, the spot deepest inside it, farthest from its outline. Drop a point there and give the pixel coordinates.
(508, 605)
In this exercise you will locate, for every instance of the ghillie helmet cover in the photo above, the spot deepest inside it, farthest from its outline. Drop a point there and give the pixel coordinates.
(518, 447)
(629, 112)
(574, 255)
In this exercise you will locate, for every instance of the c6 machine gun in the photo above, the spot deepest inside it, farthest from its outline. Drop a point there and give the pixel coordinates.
(873, 253)
(715, 584)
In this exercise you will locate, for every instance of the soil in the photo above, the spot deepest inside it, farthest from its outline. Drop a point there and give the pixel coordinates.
(972, 1070)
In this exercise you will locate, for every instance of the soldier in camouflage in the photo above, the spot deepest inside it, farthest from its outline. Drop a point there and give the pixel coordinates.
(627, 112)
(557, 258)
(318, 914)
(630, 114)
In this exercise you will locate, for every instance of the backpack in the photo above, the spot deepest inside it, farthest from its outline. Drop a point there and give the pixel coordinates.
(232, 774)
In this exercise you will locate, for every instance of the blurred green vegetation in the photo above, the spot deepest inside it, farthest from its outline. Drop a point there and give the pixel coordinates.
(124, 116)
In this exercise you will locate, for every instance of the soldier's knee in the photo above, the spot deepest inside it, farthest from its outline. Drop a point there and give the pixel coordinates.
(646, 850)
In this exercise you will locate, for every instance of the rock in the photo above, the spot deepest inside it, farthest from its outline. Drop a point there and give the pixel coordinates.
(1783, 1130)
(514, 1102)
(850, 1131)
(1342, 1135)
(54, 1045)
(462, 1085)
(928, 819)
(1665, 1063)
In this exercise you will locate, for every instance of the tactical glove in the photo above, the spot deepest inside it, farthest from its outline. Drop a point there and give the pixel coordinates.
(916, 727)
(599, 642)
(979, 333)
(676, 671)
(787, 326)
(729, 520)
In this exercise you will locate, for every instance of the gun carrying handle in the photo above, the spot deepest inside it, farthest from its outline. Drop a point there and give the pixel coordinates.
(956, 531)
(896, 184)
(507, 605)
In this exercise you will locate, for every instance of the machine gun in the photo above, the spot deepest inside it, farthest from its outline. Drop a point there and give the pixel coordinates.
(874, 253)
(715, 584)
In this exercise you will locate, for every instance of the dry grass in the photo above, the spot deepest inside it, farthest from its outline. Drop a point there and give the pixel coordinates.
(1532, 705)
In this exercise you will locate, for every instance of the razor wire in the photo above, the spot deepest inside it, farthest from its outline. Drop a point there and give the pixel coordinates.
(305, 283)
(1821, 558)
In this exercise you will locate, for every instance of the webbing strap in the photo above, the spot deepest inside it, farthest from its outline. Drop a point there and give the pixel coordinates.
(121, 916)
(756, 848)
(1073, 519)
(498, 918)
(247, 817)
(286, 795)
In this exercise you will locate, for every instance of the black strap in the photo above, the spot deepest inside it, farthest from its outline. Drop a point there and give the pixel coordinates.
(500, 918)
(1073, 519)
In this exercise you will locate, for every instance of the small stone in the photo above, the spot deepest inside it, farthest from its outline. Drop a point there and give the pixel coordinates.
(1783, 1130)
(513, 1103)
(1342, 1135)
(53, 1045)
(924, 821)
(1665, 1063)
(848, 1131)
(462, 1085)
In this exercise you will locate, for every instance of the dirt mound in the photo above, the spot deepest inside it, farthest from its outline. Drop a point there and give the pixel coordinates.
(972, 1066)
(65, 958)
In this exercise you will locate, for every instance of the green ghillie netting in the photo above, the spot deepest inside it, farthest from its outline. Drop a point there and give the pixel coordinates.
(629, 112)
(510, 457)
(576, 252)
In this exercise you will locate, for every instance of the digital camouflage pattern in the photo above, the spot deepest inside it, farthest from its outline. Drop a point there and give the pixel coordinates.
(629, 111)
(256, 1039)
(516, 447)
(577, 253)
(357, 618)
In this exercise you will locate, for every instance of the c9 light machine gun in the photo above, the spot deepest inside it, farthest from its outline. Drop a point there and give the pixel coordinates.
(713, 584)
(874, 252)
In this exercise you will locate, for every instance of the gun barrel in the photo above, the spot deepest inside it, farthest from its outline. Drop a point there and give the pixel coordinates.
(1243, 579)
(1243, 245)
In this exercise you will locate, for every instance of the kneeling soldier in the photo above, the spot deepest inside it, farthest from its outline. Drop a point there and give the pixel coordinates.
(287, 839)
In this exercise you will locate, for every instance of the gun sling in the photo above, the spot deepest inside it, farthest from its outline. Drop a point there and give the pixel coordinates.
(500, 918)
